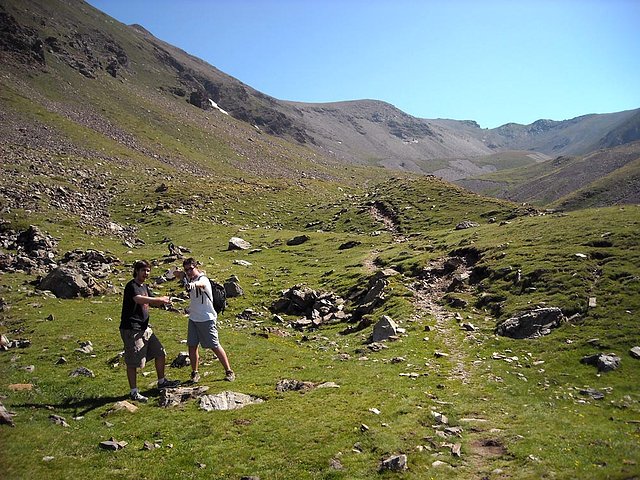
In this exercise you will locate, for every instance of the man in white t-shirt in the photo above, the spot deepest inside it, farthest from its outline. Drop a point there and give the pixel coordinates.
(202, 319)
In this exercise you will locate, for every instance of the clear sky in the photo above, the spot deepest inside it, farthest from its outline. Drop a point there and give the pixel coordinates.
(492, 61)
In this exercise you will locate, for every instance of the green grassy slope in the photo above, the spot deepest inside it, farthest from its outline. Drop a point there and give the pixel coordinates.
(82, 155)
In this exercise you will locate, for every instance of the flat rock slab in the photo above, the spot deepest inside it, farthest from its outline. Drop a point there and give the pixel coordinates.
(170, 397)
(227, 401)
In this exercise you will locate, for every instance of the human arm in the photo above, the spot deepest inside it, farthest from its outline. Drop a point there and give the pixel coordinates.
(152, 301)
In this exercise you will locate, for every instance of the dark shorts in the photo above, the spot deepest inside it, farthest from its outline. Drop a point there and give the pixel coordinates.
(203, 333)
(140, 346)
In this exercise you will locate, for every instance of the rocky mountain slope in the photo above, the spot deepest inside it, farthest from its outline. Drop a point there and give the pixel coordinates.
(365, 132)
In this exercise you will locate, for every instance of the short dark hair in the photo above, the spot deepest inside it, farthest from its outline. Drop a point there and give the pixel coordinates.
(139, 265)
(189, 261)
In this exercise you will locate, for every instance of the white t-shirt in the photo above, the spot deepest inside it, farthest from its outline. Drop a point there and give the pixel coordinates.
(201, 306)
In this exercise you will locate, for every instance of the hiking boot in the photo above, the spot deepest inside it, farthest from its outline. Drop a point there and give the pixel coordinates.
(230, 376)
(195, 376)
(168, 383)
(138, 397)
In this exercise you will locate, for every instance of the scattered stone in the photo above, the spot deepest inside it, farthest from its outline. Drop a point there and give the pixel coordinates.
(85, 347)
(384, 329)
(466, 224)
(6, 344)
(635, 352)
(593, 393)
(604, 362)
(395, 463)
(440, 418)
(170, 397)
(375, 411)
(455, 449)
(227, 401)
(531, 324)
(440, 354)
(232, 287)
(150, 445)
(316, 307)
(335, 464)
(47, 458)
(61, 361)
(439, 463)
(112, 444)
(120, 406)
(287, 385)
(21, 387)
(6, 417)
(237, 243)
(469, 327)
(182, 360)
(376, 346)
(82, 372)
(242, 263)
(364, 427)
(298, 240)
(349, 244)
(592, 302)
(58, 420)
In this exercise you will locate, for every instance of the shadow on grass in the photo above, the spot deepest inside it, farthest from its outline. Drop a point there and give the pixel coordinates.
(82, 406)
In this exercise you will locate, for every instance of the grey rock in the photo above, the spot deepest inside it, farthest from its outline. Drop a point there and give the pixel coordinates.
(232, 287)
(604, 362)
(58, 420)
(298, 240)
(65, 282)
(593, 393)
(6, 418)
(384, 329)
(395, 463)
(182, 360)
(227, 401)
(466, 224)
(82, 372)
(237, 243)
(170, 397)
(531, 324)
(85, 347)
(112, 444)
(635, 352)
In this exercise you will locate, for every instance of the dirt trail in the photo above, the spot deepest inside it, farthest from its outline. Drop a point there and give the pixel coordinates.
(427, 295)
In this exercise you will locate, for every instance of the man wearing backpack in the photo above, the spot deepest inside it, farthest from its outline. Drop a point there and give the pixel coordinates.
(202, 328)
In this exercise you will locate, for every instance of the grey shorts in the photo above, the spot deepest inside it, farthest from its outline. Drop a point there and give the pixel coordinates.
(203, 333)
(140, 346)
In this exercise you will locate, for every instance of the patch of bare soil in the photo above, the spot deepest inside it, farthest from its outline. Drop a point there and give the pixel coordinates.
(487, 448)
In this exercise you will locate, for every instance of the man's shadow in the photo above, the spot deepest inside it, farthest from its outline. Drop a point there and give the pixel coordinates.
(81, 406)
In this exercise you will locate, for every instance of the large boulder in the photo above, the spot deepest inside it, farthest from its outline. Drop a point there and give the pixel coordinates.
(227, 401)
(384, 329)
(237, 243)
(232, 287)
(66, 282)
(531, 324)
(603, 362)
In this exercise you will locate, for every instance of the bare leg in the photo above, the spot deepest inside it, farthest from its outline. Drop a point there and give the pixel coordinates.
(194, 357)
(131, 376)
(160, 361)
(222, 356)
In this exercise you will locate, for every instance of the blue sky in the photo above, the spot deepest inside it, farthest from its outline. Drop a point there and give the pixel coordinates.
(492, 61)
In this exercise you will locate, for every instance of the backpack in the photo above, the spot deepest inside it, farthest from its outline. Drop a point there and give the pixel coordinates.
(219, 296)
